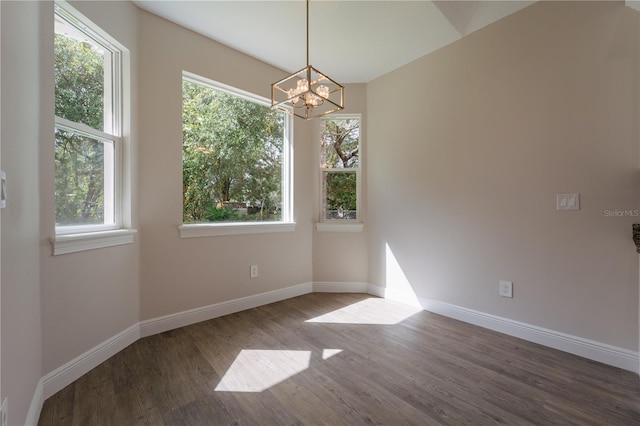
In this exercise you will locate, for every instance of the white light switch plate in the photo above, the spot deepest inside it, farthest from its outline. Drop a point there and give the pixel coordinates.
(3, 189)
(4, 412)
(568, 201)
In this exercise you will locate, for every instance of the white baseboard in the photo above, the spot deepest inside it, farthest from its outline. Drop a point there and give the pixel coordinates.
(192, 316)
(406, 296)
(590, 349)
(376, 290)
(349, 287)
(36, 405)
(82, 364)
(339, 287)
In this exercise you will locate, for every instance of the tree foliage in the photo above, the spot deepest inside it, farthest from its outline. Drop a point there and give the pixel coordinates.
(339, 141)
(232, 157)
(339, 147)
(79, 160)
(341, 195)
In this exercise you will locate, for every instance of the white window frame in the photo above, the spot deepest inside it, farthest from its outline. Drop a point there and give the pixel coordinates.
(342, 225)
(70, 239)
(287, 224)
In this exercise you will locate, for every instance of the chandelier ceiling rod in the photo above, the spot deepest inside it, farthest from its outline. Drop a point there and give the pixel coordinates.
(307, 32)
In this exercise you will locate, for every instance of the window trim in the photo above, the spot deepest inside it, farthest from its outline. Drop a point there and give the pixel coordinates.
(342, 225)
(195, 230)
(75, 238)
(287, 224)
(329, 226)
(72, 243)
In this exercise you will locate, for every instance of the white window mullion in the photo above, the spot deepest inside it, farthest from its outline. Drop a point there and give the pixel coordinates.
(84, 130)
(108, 101)
(287, 172)
(109, 184)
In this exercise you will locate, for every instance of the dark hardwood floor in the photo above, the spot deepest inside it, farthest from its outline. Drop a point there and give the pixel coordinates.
(343, 359)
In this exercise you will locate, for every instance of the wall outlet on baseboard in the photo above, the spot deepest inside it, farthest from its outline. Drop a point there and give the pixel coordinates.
(4, 412)
(505, 289)
(254, 271)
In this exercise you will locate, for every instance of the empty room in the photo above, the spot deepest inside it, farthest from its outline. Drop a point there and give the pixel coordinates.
(319, 212)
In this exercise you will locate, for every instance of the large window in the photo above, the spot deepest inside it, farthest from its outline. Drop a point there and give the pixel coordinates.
(235, 158)
(88, 122)
(340, 168)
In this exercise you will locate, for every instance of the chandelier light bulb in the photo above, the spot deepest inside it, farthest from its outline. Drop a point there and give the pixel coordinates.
(323, 91)
(303, 85)
(311, 99)
(292, 94)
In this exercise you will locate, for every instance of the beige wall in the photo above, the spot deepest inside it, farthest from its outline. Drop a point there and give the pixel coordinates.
(90, 296)
(470, 145)
(341, 256)
(179, 274)
(22, 99)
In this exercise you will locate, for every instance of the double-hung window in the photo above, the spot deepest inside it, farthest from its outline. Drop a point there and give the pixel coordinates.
(340, 158)
(88, 126)
(236, 161)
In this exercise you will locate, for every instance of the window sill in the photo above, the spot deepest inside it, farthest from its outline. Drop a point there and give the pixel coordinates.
(72, 243)
(217, 229)
(339, 227)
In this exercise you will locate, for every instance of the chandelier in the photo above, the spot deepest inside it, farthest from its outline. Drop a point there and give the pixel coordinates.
(307, 93)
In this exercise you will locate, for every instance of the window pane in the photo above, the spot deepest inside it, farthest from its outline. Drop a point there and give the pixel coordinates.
(79, 77)
(232, 157)
(340, 201)
(339, 143)
(80, 179)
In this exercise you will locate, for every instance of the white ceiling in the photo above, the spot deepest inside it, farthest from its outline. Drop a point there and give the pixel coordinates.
(351, 41)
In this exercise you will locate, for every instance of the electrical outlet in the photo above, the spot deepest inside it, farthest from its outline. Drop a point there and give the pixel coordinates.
(254, 271)
(505, 289)
(4, 411)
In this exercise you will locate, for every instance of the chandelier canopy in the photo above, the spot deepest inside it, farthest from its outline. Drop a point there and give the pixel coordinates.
(307, 93)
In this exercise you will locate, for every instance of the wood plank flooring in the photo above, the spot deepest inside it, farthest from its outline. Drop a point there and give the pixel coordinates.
(343, 359)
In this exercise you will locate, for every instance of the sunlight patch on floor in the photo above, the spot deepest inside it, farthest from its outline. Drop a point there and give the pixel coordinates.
(372, 311)
(328, 353)
(258, 370)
